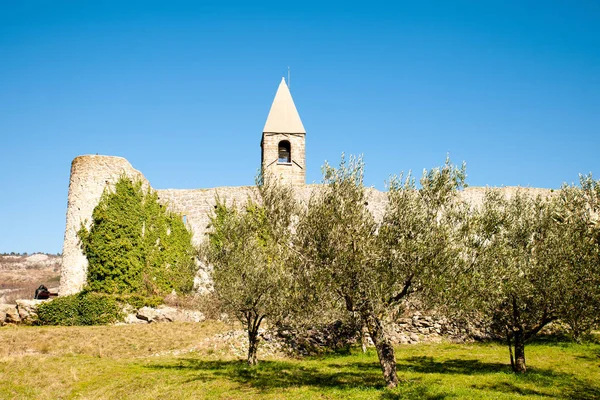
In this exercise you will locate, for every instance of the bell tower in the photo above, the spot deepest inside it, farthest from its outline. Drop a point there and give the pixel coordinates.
(283, 140)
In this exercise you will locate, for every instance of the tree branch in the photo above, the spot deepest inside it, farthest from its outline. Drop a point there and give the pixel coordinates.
(546, 319)
(403, 293)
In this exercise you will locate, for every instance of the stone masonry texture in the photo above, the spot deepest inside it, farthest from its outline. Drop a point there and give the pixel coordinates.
(294, 173)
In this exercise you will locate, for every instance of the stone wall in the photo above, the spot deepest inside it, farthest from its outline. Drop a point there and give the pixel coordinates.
(91, 174)
(197, 204)
(475, 195)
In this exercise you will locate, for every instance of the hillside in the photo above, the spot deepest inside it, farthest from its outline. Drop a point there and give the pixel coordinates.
(20, 275)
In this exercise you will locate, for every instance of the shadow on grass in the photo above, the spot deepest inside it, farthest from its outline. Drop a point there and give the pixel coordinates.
(575, 389)
(570, 386)
(273, 375)
(572, 389)
(339, 373)
(511, 388)
(280, 374)
(457, 366)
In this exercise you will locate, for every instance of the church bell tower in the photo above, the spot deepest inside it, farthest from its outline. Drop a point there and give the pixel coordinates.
(283, 140)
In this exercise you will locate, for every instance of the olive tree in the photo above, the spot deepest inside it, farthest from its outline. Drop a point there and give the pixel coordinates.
(372, 267)
(577, 218)
(421, 236)
(248, 248)
(531, 260)
(516, 280)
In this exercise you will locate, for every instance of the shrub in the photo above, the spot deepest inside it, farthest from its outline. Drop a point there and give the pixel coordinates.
(99, 309)
(60, 311)
(85, 308)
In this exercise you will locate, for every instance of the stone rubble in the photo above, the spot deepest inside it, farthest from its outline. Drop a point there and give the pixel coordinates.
(23, 312)
(27, 310)
(164, 314)
(9, 314)
(413, 329)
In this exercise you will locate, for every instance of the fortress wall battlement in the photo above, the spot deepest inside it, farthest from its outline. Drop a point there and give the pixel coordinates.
(91, 174)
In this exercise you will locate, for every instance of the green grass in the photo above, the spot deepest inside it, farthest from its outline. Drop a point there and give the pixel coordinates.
(116, 362)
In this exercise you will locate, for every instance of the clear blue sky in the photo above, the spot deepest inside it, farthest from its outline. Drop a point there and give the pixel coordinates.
(182, 90)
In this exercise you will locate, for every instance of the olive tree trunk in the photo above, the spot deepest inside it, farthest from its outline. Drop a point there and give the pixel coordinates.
(519, 364)
(252, 324)
(518, 334)
(252, 347)
(385, 350)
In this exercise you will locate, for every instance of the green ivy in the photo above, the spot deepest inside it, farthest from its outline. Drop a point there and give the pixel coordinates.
(136, 245)
(85, 308)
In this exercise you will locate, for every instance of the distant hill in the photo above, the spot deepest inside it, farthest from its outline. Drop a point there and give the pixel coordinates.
(21, 274)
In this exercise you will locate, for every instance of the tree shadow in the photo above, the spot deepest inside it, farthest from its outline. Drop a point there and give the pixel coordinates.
(339, 375)
(583, 391)
(571, 386)
(420, 391)
(278, 374)
(273, 375)
(474, 367)
(593, 357)
(576, 390)
(457, 366)
(510, 388)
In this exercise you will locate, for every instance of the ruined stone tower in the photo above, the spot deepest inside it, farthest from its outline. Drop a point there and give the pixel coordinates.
(283, 140)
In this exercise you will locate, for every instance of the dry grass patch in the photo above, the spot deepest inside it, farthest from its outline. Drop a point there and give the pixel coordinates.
(116, 341)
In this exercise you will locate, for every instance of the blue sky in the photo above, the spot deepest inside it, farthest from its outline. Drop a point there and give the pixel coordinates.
(182, 90)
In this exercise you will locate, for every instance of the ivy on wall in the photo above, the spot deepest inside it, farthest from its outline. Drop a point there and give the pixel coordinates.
(136, 245)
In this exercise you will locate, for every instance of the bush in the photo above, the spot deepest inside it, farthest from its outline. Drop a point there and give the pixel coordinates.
(85, 308)
(98, 309)
(60, 311)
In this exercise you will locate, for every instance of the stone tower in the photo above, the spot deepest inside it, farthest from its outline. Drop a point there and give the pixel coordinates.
(283, 140)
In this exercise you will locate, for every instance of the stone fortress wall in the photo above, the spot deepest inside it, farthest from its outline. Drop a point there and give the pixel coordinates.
(91, 174)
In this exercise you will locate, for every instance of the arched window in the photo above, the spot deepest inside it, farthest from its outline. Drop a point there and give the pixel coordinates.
(285, 153)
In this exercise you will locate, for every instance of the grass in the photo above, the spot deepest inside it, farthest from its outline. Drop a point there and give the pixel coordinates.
(166, 361)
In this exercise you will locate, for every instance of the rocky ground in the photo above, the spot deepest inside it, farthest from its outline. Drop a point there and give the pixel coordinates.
(20, 275)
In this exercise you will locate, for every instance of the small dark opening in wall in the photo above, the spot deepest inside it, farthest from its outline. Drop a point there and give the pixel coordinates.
(284, 151)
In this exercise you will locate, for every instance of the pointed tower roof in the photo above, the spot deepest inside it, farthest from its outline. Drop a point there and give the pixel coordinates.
(283, 117)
